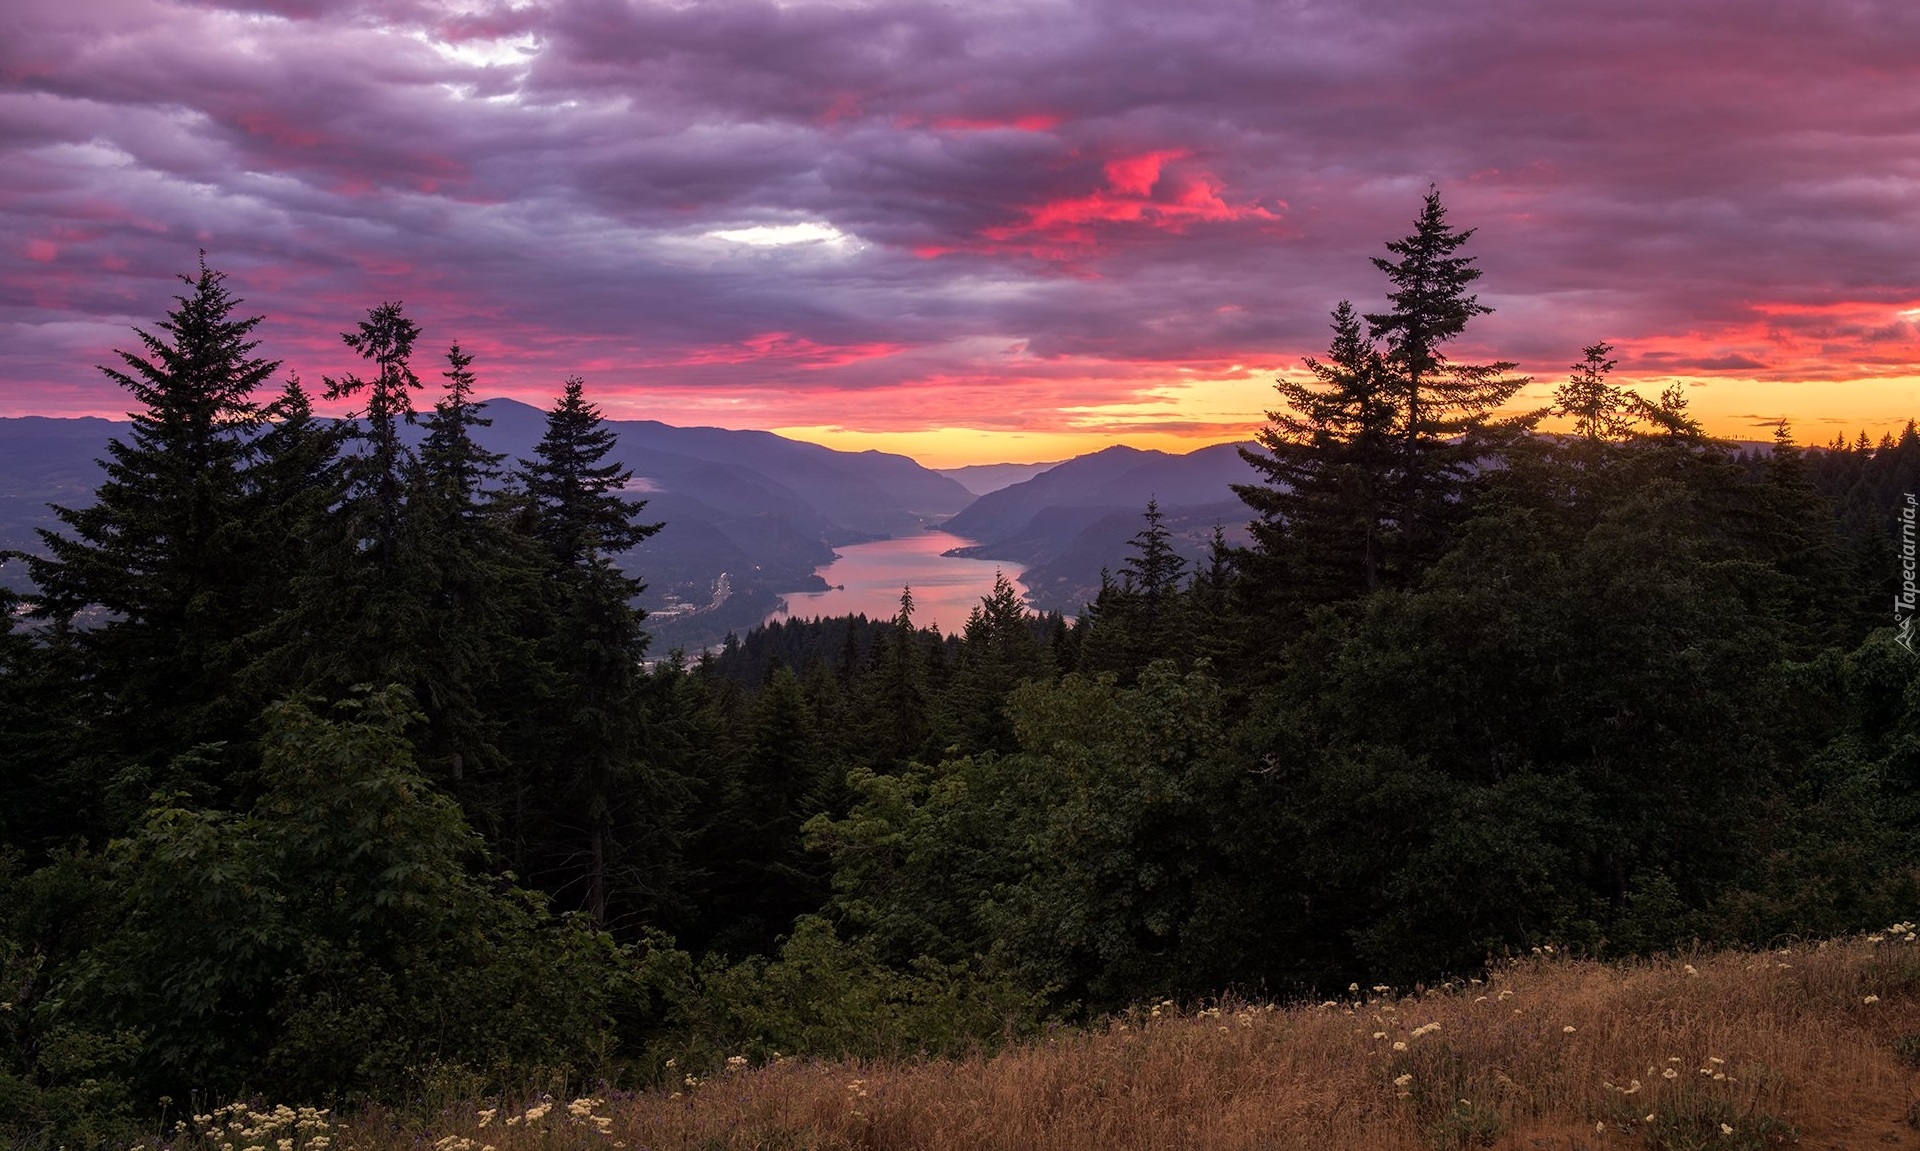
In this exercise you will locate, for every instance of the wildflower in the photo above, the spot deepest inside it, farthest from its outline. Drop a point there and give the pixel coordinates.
(1399, 1045)
(486, 1116)
(1353, 989)
(1726, 1129)
(1402, 1080)
(1426, 1029)
(1690, 970)
(1631, 1088)
(1669, 1073)
(1505, 995)
(1379, 1035)
(1715, 1059)
(1649, 1116)
(1480, 999)
(1599, 1128)
(1871, 999)
(1567, 1030)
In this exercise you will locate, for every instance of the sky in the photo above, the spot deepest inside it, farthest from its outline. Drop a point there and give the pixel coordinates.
(972, 231)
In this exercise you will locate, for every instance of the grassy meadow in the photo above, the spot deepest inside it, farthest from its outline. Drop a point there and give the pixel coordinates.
(1813, 1046)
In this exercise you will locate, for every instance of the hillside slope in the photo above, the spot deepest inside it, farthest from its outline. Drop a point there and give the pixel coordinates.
(1813, 1046)
(1066, 524)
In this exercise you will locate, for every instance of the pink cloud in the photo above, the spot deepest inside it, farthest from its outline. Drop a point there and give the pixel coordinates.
(1117, 189)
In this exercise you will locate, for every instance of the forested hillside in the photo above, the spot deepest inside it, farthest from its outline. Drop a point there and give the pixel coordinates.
(761, 510)
(333, 767)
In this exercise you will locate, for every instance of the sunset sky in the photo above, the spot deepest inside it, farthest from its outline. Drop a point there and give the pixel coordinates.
(972, 231)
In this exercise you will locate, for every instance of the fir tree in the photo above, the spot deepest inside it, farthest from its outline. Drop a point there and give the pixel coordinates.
(358, 605)
(1599, 410)
(899, 689)
(579, 513)
(604, 815)
(1326, 512)
(1442, 404)
(385, 338)
(159, 571)
(999, 650)
(1152, 575)
(474, 571)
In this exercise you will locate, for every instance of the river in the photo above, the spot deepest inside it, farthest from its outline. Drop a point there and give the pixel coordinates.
(868, 578)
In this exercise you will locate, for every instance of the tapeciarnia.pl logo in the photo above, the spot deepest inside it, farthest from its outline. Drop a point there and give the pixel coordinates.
(1904, 603)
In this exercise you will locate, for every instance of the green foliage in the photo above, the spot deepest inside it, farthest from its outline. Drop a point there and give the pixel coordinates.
(597, 811)
(64, 1080)
(1470, 691)
(149, 586)
(1325, 525)
(823, 995)
(333, 938)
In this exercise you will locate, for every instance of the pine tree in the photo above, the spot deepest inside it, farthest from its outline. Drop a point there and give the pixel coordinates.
(999, 650)
(358, 604)
(385, 338)
(1599, 410)
(898, 685)
(603, 823)
(1795, 529)
(1442, 404)
(150, 583)
(298, 482)
(579, 514)
(474, 573)
(1326, 511)
(1153, 574)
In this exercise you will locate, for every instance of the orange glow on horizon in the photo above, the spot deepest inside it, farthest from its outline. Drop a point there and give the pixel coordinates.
(1187, 415)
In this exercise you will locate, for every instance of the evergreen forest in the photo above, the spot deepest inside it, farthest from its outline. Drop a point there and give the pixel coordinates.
(335, 762)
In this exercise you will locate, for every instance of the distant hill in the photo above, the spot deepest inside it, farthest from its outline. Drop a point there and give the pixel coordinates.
(1067, 577)
(983, 478)
(762, 509)
(1069, 522)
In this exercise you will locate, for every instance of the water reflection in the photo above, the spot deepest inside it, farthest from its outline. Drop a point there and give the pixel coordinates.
(868, 578)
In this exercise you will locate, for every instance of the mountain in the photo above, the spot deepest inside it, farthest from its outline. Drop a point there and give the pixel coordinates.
(762, 510)
(983, 478)
(1069, 522)
(1117, 476)
(1067, 576)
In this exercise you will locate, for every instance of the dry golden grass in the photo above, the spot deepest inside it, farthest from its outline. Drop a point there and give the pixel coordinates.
(1736, 1050)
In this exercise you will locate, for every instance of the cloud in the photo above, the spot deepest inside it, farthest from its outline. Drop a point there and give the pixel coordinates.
(754, 207)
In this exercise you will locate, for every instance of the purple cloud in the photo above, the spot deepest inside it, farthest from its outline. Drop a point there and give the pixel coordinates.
(749, 208)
